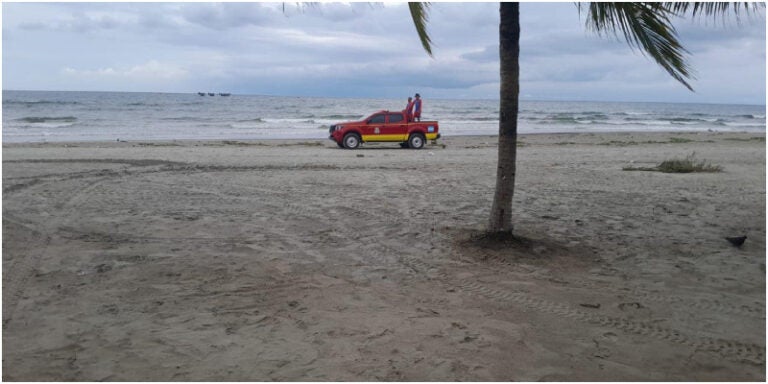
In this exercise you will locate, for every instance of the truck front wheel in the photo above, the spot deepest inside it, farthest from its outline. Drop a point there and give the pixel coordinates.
(416, 141)
(351, 141)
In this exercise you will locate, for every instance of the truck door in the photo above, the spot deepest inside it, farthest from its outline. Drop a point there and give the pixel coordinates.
(396, 128)
(374, 127)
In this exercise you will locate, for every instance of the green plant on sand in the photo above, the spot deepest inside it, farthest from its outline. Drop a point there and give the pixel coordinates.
(687, 165)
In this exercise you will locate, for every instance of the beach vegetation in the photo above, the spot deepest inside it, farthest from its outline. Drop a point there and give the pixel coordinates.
(158, 144)
(753, 138)
(672, 140)
(689, 164)
(622, 143)
(241, 143)
(260, 144)
(304, 144)
(644, 26)
(434, 143)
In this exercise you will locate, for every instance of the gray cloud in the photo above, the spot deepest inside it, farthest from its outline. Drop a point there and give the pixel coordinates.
(78, 23)
(357, 49)
(220, 16)
(488, 54)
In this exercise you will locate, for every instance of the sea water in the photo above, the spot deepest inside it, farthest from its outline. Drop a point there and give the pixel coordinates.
(43, 116)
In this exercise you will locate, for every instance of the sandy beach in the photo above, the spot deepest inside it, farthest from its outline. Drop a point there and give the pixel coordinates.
(296, 261)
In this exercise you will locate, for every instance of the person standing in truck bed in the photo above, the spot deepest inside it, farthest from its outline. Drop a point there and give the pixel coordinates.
(409, 110)
(417, 108)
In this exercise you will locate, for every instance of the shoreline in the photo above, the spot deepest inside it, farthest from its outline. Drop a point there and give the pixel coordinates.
(278, 141)
(298, 261)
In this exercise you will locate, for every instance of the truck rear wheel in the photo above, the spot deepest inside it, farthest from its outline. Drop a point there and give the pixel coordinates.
(416, 141)
(351, 141)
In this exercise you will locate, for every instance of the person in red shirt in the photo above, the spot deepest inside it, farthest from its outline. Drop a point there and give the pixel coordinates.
(417, 108)
(409, 110)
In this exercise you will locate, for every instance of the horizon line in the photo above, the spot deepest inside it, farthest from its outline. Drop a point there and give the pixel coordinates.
(393, 98)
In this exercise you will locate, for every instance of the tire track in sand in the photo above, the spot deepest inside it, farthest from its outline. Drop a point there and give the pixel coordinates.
(729, 349)
(636, 294)
(409, 264)
(19, 273)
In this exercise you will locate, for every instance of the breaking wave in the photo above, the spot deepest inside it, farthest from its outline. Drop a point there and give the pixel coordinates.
(39, 102)
(256, 120)
(36, 119)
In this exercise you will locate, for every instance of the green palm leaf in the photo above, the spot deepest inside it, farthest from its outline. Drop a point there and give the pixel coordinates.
(711, 9)
(645, 26)
(419, 13)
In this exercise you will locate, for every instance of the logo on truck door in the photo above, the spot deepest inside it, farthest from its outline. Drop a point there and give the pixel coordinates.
(376, 130)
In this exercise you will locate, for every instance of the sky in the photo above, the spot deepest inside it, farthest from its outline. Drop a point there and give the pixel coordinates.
(362, 50)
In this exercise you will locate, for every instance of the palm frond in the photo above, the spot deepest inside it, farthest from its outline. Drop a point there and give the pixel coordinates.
(713, 10)
(420, 15)
(697, 9)
(645, 26)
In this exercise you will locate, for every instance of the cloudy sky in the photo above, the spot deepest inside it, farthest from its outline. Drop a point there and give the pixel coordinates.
(361, 50)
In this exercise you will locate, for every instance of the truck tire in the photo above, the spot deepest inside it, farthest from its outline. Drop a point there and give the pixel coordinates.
(351, 141)
(416, 141)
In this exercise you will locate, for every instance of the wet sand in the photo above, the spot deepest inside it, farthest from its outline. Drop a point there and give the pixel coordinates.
(296, 260)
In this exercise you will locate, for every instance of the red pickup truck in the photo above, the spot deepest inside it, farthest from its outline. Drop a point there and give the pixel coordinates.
(384, 126)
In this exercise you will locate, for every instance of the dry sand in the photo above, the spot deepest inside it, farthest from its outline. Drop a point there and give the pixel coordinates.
(299, 261)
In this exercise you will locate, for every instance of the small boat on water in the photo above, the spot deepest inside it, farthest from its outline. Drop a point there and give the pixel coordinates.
(213, 94)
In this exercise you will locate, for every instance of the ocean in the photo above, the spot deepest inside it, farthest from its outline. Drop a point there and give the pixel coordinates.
(47, 116)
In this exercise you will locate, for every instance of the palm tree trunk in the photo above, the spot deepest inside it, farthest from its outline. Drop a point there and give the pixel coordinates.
(509, 53)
